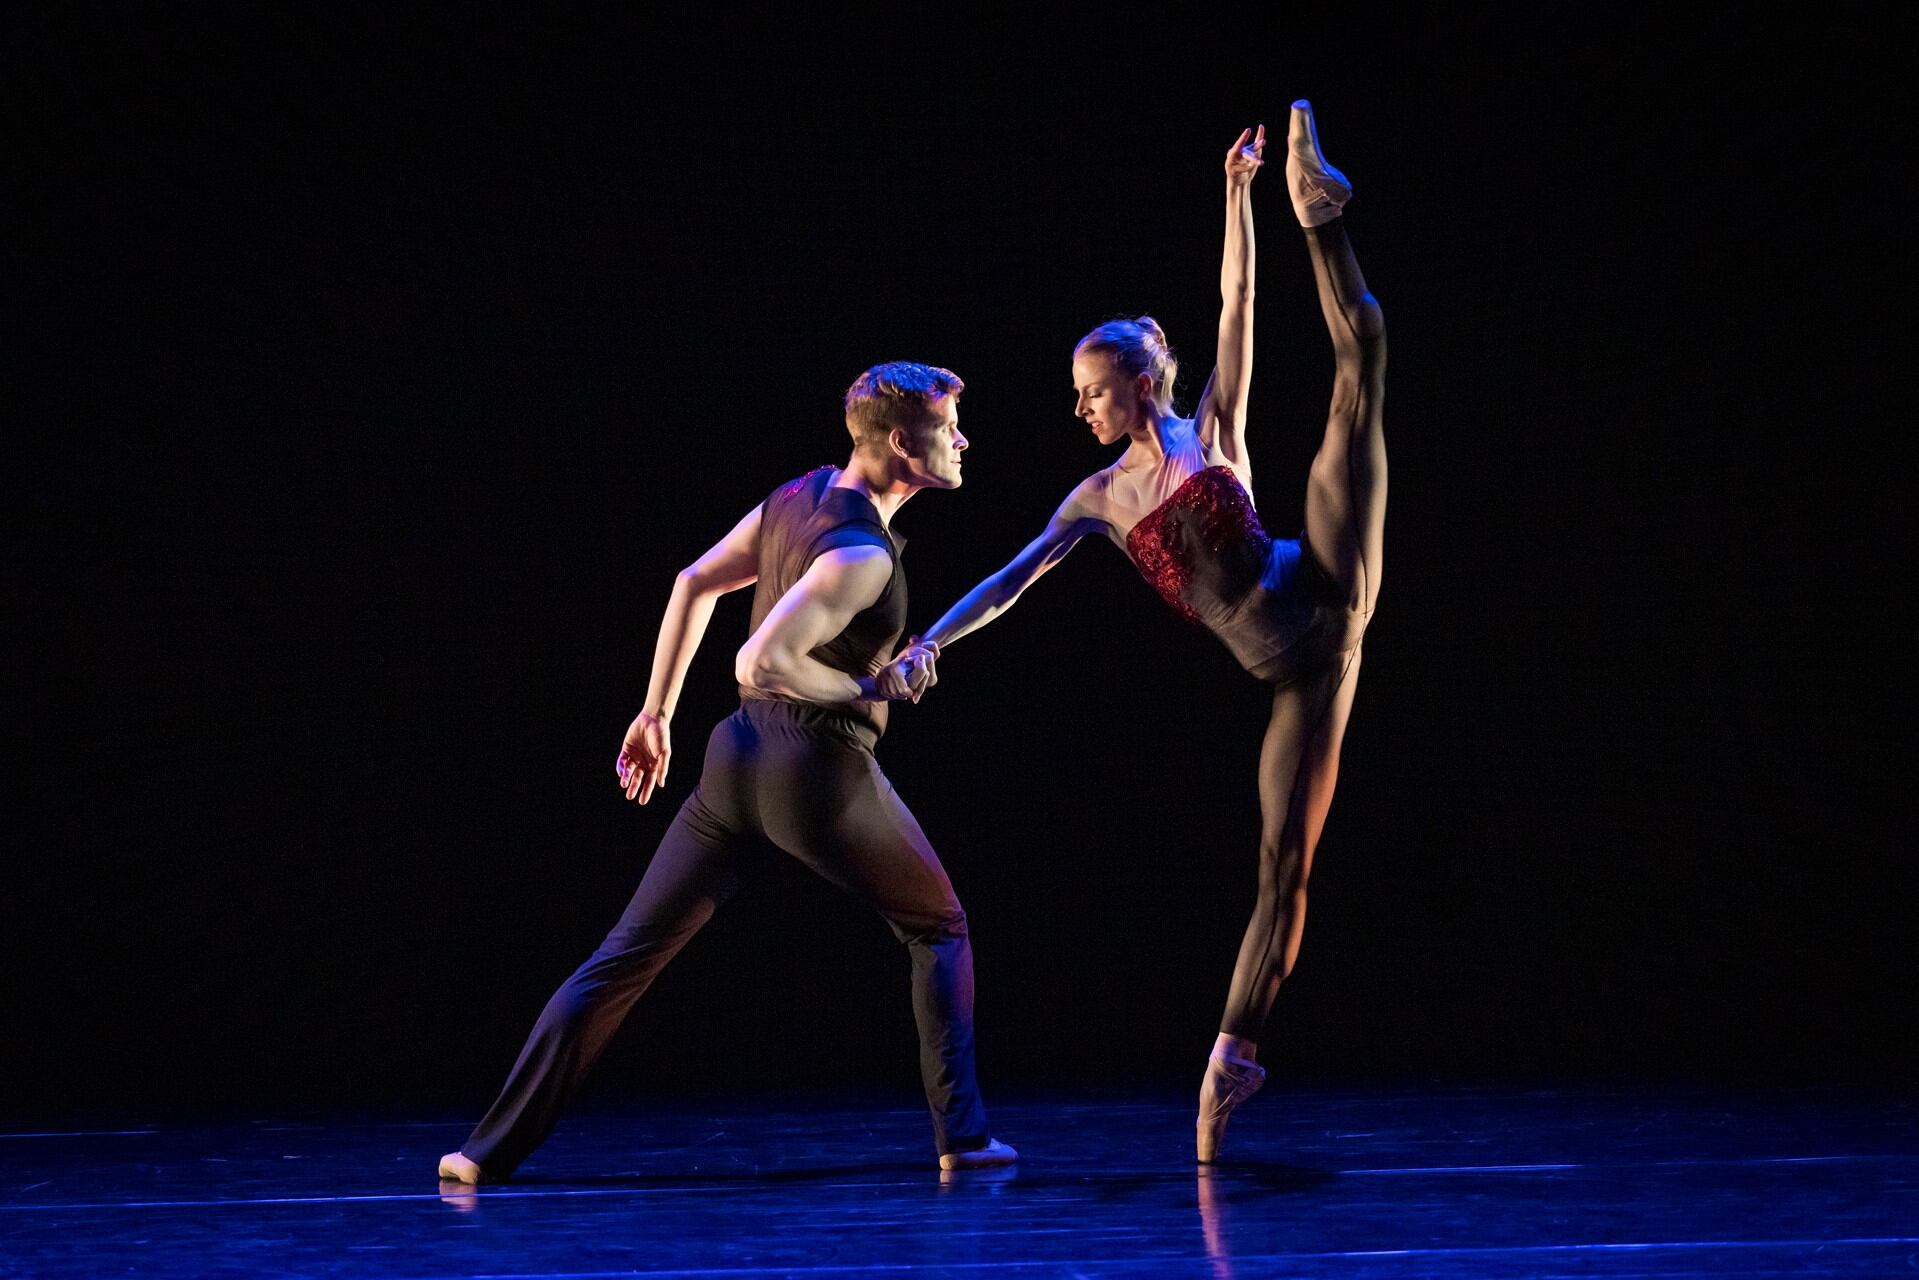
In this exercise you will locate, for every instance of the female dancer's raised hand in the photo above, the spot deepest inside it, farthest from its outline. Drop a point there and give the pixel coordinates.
(1243, 158)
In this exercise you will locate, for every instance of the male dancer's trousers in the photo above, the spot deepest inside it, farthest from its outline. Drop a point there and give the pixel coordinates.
(801, 778)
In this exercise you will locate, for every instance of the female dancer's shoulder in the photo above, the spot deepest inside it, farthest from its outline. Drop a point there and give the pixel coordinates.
(1096, 505)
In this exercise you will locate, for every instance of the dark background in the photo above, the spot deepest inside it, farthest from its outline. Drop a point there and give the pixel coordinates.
(373, 376)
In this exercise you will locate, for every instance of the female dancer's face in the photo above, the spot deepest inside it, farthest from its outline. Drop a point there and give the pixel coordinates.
(1109, 401)
(1108, 398)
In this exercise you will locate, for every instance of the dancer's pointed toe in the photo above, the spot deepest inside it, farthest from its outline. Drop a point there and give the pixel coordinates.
(1319, 191)
(1229, 1082)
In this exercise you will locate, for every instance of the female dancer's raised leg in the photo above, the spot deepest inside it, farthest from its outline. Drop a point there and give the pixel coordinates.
(1345, 527)
(1346, 488)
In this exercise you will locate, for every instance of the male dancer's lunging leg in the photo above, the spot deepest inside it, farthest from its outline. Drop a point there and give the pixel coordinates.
(793, 769)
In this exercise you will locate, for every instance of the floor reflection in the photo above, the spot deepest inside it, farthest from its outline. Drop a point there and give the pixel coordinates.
(1488, 1185)
(1213, 1221)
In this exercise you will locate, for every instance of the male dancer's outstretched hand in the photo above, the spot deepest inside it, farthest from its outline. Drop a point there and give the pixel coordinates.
(643, 757)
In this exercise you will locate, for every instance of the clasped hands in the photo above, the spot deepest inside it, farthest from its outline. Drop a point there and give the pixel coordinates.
(645, 754)
(911, 672)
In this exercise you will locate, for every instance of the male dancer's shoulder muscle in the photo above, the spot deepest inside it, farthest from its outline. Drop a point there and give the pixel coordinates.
(836, 586)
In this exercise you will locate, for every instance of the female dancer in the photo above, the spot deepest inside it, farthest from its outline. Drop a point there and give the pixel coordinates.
(1179, 503)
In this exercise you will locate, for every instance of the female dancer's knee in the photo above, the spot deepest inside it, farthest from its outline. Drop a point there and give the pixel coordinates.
(1282, 871)
(921, 930)
(1361, 345)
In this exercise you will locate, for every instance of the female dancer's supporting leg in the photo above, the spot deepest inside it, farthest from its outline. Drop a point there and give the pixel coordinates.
(1345, 530)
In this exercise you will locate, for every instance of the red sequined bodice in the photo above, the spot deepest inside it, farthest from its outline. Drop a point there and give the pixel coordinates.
(1204, 546)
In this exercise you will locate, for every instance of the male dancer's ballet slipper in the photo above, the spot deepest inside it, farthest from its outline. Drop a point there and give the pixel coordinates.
(455, 1167)
(1318, 189)
(995, 1154)
(1229, 1082)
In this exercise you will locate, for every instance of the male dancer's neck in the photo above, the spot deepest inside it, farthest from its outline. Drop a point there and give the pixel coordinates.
(876, 479)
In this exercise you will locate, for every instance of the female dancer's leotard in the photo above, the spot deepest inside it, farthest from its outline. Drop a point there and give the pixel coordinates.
(1190, 527)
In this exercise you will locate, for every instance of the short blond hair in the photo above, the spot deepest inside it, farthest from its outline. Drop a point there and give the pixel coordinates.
(897, 395)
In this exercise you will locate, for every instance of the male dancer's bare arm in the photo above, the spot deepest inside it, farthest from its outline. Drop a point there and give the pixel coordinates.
(997, 593)
(838, 584)
(731, 563)
(1221, 418)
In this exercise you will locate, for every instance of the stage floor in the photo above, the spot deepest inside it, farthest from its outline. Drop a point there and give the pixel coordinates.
(1481, 1183)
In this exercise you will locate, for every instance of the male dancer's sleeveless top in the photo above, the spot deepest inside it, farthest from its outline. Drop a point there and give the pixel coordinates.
(799, 522)
(1190, 527)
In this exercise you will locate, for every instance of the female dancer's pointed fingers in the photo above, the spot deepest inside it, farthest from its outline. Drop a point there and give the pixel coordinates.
(646, 786)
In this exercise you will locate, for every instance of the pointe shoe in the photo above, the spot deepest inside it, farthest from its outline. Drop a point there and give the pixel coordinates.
(455, 1167)
(993, 1155)
(1319, 191)
(1229, 1082)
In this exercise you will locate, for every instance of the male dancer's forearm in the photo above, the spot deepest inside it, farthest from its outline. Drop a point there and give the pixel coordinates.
(799, 675)
(687, 613)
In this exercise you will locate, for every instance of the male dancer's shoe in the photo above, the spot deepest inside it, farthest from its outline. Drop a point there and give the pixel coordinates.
(993, 1155)
(455, 1167)
(1318, 190)
(1229, 1082)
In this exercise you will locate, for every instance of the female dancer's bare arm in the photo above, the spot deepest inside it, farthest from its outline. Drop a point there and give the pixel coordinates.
(1221, 418)
(997, 593)
(731, 563)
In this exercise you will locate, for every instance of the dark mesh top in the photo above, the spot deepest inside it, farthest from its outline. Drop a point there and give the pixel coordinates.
(801, 520)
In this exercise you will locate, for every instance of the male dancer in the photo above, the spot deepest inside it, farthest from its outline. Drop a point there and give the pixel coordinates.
(792, 768)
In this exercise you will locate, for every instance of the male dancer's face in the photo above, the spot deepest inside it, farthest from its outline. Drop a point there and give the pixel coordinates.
(933, 458)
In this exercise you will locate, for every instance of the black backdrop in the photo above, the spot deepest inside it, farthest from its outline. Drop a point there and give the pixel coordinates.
(375, 375)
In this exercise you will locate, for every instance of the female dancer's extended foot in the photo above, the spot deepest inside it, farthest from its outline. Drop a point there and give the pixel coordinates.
(1230, 1080)
(1319, 191)
(455, 1167)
